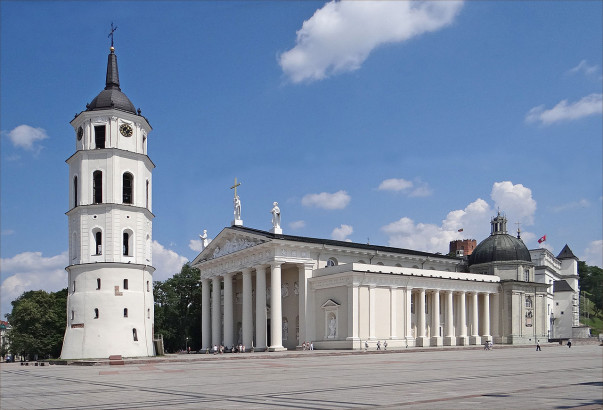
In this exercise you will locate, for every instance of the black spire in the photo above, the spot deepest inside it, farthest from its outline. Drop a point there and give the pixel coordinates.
(112, 82)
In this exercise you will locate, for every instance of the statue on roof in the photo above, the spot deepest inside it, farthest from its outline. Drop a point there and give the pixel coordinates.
(276, 216)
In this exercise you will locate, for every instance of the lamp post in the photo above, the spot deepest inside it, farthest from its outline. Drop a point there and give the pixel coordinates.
(186, 347)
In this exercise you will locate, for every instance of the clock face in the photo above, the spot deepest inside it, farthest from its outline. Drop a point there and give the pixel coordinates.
(80, 133)
(125, 130)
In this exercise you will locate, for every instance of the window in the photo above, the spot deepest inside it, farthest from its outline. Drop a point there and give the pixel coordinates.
(98, 241)
(527, 275)
(126, 244)
(97, 187)
(135, 335)
(96, 313)
(148, 313)
(128, 180)
(412, 304)
(73, 286)
(98, 282)
(529, 302)
(99, 136)
(147, 199)
(144, 144)
(72, 314)
(75, 191)
(332, 262)
(148, 286)
(125, 312)
(125, 284)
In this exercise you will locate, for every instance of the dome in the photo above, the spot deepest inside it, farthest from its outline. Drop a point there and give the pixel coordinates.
(500, 247)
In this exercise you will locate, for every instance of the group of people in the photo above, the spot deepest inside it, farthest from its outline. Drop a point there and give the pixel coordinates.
(221, 349)
(488, 345)
(307, 346)
(366, 345)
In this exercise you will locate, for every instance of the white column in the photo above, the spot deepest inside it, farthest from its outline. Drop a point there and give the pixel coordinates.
(276, 311)
(474, 339)
(422, 340)
(228, 311)
(410, 340)
(462, 338)
(486, 317)
(260, 308)
(247, 309)
(216, 315)
(449, 339)
(353, 316)
(305, 273)
(436, 339)
(372, 324)
(205, 314)
(495, 313)
(393, 293)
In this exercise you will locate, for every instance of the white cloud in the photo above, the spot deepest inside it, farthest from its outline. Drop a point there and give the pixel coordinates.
(395, 184)
(583, 67)
(166, 262)
(515, 200)
(421, 189)
(297, 225)
(340, 36)
(590, 105)
(583, 203)
(342, 232)
(195, 245)
(31, 271)
(325, 200)
(593, 254)
(26, 137)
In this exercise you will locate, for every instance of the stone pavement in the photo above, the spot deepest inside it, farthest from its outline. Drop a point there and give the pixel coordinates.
(461, 378)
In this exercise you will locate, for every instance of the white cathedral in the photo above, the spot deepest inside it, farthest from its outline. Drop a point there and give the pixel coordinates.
(276, 291)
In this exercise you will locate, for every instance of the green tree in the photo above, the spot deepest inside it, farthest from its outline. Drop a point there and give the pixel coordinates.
(38, 320)
(178, 309)
(591, 282)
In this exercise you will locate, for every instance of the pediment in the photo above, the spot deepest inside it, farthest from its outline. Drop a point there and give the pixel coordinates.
(228, 242)
(330, 303)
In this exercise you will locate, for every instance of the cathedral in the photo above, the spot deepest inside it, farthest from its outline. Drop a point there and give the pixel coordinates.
(275, 291)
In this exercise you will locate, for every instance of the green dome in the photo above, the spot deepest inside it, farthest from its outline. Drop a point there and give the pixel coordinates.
(499, 248)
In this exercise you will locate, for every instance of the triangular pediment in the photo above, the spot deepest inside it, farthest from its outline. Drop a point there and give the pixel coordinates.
(330, 303)
(227, 242)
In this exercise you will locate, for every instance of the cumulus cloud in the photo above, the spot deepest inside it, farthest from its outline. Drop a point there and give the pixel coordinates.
(515, 200)
(413, 189)
(166, 262)
(31, 271)
(297, 224)
(590, 105)
(342, 232)
(340, 36)
(583, 67)
(325, 200)
(593, 254)
(26, 137)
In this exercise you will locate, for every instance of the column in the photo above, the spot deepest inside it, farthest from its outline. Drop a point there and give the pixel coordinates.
(474, 339)
(305, 273)
(228, 311)
(260, 308)
(449, 339)
(276, 311)
(216, 316)
(495, 314)
(247, 309)
(462, 339)
(436, 339)
(486, 318)
(353, 316)
(393, 301)
(422, 340)
(205, 314)
(410, 340)
(372, 324)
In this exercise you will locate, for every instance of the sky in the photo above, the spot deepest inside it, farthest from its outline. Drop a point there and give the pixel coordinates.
(396, 123)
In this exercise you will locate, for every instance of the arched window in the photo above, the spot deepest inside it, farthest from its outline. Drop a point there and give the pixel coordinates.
(96, 313)
(126, 244)
(98, 283)
(98, 242)
(125, 283)
(125, 312)
(148, 286)
(147, 198)
(135, 335)
(128, 182)
(99, 136)
(332, 262)
(75, 191)
(97, 187)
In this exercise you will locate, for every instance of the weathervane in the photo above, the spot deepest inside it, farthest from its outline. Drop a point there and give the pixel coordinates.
(111, 33)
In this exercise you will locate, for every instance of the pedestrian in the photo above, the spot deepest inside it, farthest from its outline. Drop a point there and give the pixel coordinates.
(538, 346)
(385, 345)
(366, 345)
(378, 344)
(311, 346)
(569, 343)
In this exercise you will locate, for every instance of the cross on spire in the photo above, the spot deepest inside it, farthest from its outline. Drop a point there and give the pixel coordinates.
(235, 186)
(111, 33)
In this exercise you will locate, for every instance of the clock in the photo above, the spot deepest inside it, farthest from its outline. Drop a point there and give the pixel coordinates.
(80, 133)
(125, 130)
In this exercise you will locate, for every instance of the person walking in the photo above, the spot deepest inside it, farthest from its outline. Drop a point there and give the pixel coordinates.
(538, 346)
(385, 345)
(569, 343)
(378, 344)
(365, 345)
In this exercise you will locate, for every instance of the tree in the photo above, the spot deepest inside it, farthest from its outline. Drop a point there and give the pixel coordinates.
(178, 309)
(38, 320)
(591, 281)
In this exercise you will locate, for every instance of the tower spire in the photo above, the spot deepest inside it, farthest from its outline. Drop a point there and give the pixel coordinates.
(112, 81)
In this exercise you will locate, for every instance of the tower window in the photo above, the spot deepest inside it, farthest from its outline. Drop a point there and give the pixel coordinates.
(125, 284)
(97, 187)
(125, 312)
(98, 241)
(72, 314)
(147, 198)
(75, 191)
(148, 286)
(128, 180)
(148, 313)
(98, 283)
(73, 289)
(527, 275)
(99, 136)
(135, 335)
(126, 244)
(96, 313)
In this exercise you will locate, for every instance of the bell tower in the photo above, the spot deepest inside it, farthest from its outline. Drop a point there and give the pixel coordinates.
(110, 272)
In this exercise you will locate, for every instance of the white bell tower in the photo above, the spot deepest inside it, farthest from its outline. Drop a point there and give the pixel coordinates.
(110, 290)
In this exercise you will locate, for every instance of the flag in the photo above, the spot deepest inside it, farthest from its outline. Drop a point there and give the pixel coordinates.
(460, 230)
(542, 239)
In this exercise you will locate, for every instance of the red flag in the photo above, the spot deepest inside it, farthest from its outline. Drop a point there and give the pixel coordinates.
(460, 230)
(542, 239)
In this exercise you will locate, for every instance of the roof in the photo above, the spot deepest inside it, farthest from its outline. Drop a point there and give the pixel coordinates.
(566, 253)
(562, 286)
(344, 244)
(111, 97)
(499, 247)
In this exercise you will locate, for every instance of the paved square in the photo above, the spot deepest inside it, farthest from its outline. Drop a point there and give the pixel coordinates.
(556, 377)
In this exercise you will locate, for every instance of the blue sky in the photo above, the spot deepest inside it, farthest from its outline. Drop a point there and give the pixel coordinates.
(397, 123)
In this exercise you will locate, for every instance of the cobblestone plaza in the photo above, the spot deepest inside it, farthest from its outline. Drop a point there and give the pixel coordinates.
(454, 378)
